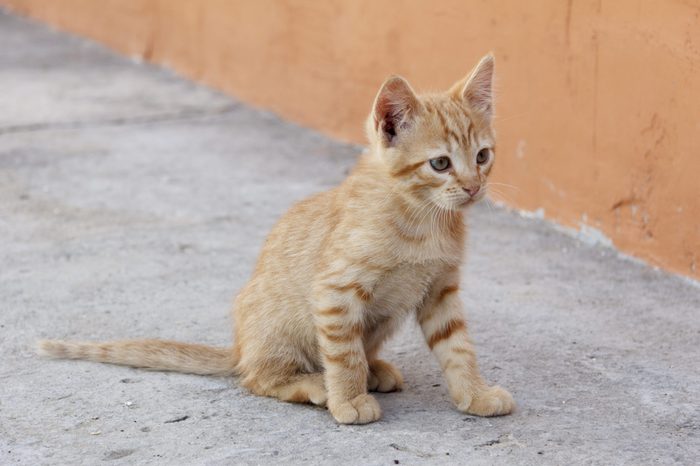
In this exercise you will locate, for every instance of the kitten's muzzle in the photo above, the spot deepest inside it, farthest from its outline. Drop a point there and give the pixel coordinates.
(472, 190)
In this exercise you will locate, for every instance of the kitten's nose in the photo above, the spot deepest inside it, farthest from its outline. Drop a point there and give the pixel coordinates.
(472, 190)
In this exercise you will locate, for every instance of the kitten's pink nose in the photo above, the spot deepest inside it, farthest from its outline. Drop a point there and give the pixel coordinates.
(472, 190)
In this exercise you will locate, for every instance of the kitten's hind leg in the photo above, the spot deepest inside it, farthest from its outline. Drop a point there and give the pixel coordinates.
(384, 377)
(302, 388)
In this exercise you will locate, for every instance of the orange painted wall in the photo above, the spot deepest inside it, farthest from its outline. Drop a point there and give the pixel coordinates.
(599, 101)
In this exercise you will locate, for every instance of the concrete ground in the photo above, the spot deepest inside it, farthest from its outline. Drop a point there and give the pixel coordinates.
(133, 203)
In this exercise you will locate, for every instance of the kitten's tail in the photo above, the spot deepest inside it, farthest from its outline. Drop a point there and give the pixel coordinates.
(158, 355)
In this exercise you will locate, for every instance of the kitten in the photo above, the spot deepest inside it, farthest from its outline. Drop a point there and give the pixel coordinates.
(343, 268)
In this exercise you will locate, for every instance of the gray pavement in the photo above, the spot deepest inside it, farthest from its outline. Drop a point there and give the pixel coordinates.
(133, 203)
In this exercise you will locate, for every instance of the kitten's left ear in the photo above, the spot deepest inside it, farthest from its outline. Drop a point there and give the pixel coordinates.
(477, 89)
(394, 108)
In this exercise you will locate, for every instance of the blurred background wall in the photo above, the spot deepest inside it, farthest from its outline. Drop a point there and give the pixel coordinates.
(598, 101)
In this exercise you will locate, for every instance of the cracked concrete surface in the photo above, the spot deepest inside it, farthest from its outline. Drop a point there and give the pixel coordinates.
(133, 203)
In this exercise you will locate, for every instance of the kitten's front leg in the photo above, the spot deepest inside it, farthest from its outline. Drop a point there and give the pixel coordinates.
(339, 320)
(445, 330)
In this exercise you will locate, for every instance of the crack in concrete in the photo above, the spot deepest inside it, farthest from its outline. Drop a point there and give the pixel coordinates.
(177, 419)
(119, 121)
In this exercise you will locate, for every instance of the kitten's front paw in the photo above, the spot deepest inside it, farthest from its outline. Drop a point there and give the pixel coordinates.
(383, 377)
(491, 401)
(362, 409)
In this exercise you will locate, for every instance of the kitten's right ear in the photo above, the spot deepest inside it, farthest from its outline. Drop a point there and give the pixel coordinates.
(477, 89)
(394, 108)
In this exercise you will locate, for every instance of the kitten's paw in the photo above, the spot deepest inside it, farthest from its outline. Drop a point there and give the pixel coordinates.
(491, 401)
(362, 409)
(318, 395)
(383, 377)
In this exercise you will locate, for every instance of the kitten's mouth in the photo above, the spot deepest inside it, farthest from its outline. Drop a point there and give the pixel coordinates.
(469, 201)
(465, 203)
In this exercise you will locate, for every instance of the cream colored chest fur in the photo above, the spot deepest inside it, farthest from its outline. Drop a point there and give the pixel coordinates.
(402, 289)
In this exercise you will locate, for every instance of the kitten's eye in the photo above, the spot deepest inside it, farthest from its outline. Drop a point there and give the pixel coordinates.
(440, 164)
(482, 157)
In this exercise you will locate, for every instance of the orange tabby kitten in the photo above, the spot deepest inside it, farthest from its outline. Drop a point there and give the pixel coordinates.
(343, 268)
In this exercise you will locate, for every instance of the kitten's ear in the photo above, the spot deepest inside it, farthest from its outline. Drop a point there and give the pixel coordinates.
(477, 89)
(394, 108)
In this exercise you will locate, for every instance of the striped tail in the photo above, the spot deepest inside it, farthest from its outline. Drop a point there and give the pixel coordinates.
(158, 355)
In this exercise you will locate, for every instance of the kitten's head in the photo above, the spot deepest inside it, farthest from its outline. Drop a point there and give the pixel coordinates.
(438, 147)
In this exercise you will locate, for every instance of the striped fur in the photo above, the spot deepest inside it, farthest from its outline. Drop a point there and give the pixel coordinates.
(342, 269)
